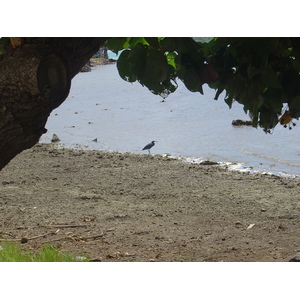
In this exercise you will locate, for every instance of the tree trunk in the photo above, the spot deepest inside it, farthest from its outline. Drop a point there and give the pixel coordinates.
(35, 78)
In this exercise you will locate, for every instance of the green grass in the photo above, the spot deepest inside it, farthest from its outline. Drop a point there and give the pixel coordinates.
(12, 252)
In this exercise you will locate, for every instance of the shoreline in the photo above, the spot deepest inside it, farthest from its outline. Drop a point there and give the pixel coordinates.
(230, 166)
(136, 207)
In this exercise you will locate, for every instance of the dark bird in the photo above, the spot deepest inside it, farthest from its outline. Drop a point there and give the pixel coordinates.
(149, 146)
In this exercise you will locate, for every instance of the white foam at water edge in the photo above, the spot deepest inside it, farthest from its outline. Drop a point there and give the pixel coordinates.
(231, 166)
(286, 175)
(237, 167)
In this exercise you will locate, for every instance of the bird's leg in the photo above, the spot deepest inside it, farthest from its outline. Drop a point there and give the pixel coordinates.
(149, 151)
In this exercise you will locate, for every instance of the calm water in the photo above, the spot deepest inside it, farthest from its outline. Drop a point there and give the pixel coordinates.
(125, 117)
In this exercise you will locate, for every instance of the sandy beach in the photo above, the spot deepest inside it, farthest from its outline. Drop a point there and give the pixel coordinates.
(130, 207)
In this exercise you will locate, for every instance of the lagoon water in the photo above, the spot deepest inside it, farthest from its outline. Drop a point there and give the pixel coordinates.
(125, 117)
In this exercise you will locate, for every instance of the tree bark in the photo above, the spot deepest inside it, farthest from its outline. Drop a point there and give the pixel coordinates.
(35, 78)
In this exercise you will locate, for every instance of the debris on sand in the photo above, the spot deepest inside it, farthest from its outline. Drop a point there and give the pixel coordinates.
(55, 138)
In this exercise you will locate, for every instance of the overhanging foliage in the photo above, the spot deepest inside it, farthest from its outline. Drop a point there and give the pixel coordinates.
(260, 73)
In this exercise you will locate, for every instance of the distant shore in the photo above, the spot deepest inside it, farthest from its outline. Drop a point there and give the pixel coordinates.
(93, 62)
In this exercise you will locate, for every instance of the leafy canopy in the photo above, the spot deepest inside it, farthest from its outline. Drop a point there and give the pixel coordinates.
(260, 73)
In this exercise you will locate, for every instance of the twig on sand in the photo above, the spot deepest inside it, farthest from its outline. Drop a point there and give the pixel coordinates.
(24, 240)
(42, 235)
(94, 237)
(74, 237)
(78, 238)
(53, 226)
(63, 226)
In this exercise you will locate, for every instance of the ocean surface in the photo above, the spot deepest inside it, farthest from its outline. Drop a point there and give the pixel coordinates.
(104, 112)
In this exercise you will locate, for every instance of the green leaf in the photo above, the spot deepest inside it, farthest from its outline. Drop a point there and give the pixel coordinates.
(229, 100)
(269, 79)
(156, 67)
(131, 63)
(116, 44)
(132, 42)
(294, 106)
(219, 92)
(272, 98)
(137, 59)
(153, 41)
(267, 119)
(171, 57)
(124, 68)
(192, 81)
(252, 71)
(291, 82)
(169, 44)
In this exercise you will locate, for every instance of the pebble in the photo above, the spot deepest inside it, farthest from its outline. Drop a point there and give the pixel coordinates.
(208, 163)
(80, 258)
(238, 224)
(24, 240)
(55, 138)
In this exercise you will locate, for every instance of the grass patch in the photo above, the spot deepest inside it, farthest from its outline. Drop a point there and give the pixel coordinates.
(12, 252)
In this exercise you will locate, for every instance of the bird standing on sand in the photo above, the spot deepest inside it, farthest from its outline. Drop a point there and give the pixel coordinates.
(149, 146)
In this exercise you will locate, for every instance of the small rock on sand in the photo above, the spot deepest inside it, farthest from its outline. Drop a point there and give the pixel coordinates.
(55, 138)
